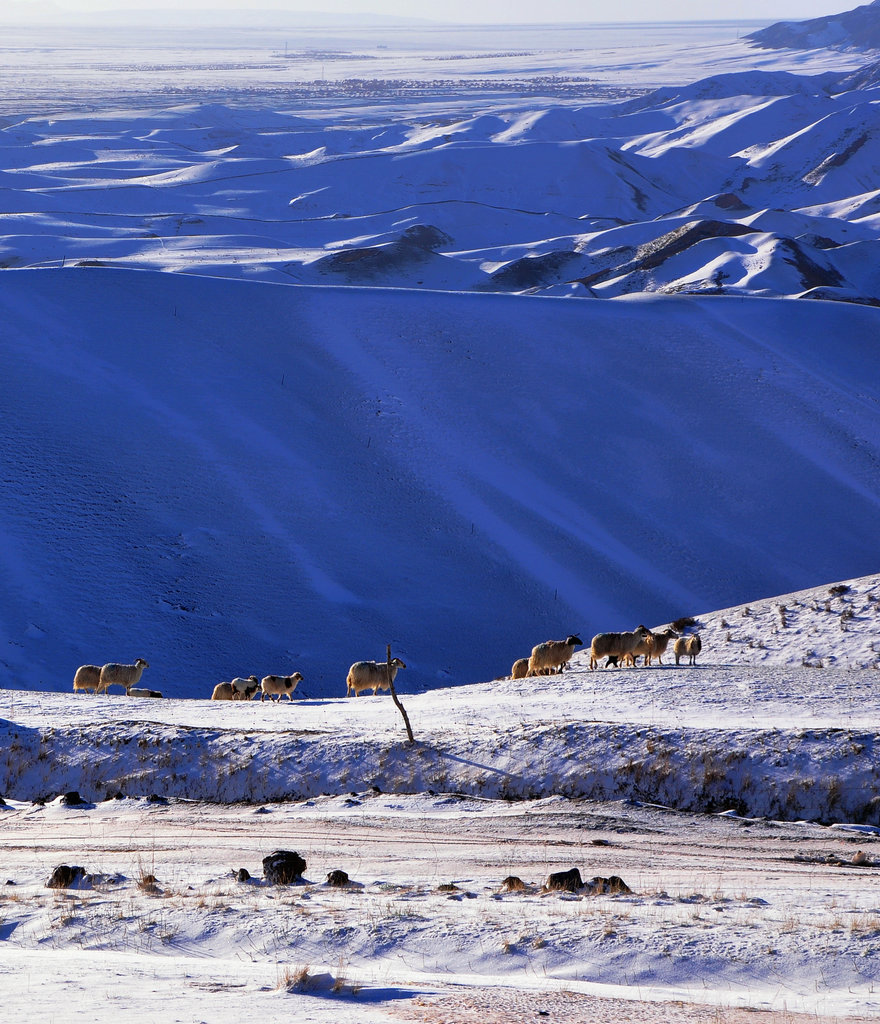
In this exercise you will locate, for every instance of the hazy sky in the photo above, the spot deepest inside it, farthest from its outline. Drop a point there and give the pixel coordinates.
(505, 10)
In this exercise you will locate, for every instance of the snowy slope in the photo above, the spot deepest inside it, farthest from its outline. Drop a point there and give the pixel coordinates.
(565, 197)
(230, 477)
(736, 798)
(855, 29)
(777, 718)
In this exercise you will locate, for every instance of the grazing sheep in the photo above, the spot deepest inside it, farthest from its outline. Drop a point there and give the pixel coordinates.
(88, 677)
(689, 646)
(552, 655)
(223, 691)
(121, 675)
(520, 668)
(244, 689)
(371, 675)
(135, 691)
(661, 642)
(617, 644)
(275, 687)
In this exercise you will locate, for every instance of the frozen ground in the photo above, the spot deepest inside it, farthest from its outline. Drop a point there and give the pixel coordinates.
(772, 902)
(724, 912)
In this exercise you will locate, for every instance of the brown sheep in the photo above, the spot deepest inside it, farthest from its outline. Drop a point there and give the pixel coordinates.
(121, 675)
(689, 646)
(520, 668)
(87, 678)
(645, 647)
(617, 644)
(661, 642)
(223, 691)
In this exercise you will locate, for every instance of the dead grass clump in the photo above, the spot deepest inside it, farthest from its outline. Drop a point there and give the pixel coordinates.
(294, 979)
(147, 883)
(301, 980)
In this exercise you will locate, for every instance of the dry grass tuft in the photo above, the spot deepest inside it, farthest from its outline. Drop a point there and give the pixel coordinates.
(294, 979)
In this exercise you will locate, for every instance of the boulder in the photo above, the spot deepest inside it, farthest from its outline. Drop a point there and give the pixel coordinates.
(614, 885)
(565, 881)
(67, 876)
(283, 867)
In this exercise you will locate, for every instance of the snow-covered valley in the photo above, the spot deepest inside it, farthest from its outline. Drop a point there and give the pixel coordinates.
(320, 339)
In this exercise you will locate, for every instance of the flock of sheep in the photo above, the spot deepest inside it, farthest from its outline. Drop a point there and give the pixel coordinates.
(618, 648)
(362, 676)
(546, 658)
(98, 678)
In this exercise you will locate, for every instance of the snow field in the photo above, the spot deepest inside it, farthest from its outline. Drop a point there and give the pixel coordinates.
(724, 911)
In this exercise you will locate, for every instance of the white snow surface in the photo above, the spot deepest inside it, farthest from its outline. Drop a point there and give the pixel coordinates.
(239, 477)
(262, 412)
(571, 161)
(736, 799)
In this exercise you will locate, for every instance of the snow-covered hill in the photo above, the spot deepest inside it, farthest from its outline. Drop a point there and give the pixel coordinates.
(777, 718)
(749, 183)
(855, 29)
(232, 477)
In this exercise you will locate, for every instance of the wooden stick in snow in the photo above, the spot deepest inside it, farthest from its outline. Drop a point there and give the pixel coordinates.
(396, 699)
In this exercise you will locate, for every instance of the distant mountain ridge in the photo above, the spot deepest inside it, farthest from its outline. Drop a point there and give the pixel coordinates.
(858, 29)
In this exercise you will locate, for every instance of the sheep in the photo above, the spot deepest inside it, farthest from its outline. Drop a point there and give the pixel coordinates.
(520, 668)
(371, 675)
(552, 655)
(661, 642)
(87, 678)
(275, 687)
(645, 647)
(223, 691)
(244, 689)
(690, 646)
(121, 675)
(136, 691)
(617, 644)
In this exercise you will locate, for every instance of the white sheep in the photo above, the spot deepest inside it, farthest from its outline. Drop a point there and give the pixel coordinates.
(617, 645)
(244, 689)
(552, 655)
(121, 675)
(275, 687)
(520, 668)
(371, 675)
(689, 646)
(87, 678)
